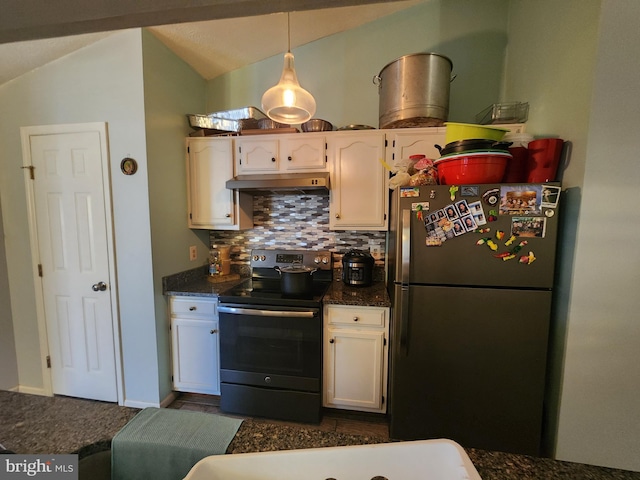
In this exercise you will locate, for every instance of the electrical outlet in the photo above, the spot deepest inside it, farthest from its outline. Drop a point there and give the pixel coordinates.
(193, 253)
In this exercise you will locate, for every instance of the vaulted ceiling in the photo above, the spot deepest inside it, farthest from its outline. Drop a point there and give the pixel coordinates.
(213, 36)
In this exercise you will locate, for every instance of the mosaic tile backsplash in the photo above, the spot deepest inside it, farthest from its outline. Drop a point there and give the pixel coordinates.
(295, 222)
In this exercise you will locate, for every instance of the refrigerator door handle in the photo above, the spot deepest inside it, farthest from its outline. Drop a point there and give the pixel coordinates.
(405, 258)
(403, 308)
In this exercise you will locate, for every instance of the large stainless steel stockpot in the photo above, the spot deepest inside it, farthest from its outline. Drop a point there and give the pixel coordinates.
(414, 91)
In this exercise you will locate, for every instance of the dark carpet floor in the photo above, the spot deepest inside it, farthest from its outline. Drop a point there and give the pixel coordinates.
(35, 424)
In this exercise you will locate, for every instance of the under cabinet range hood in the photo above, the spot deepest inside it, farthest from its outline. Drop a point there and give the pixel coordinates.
(281, 183)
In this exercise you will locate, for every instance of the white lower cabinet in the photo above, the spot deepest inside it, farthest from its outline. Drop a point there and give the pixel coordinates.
(195, 344)
(356, 357)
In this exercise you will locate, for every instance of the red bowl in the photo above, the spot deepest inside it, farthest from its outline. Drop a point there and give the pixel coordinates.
(472, 168)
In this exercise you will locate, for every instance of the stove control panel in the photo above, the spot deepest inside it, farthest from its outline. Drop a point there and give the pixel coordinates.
(264, 258)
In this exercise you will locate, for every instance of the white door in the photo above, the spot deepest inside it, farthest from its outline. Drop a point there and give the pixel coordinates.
(72, 243)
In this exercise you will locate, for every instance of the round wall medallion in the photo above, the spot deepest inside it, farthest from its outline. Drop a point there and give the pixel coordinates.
(128, 166)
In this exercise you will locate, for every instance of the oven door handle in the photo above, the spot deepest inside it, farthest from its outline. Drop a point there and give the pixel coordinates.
(267, 313)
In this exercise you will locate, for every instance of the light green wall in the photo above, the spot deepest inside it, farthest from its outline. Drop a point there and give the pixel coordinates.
(171, 89)
(338, 70)
(550, 64)
(9, 370)
(599, 419)
(99, 83)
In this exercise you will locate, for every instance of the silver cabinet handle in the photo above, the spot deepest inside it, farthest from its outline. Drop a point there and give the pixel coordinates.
(193, 309)
(215, 330)
(99, 287)
(355, 319)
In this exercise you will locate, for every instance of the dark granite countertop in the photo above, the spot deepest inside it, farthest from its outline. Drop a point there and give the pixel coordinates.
(374, 296)
(194, 283)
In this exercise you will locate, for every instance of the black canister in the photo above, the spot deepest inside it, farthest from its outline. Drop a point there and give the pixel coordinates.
(357, 268)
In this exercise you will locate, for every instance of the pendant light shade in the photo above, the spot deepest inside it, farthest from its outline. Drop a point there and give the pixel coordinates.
(288, 102)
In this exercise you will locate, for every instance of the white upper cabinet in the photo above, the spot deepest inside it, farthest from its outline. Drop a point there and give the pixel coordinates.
(304, 153)
(210, 204)
(359, 195)
(403, 143)
(281, 153)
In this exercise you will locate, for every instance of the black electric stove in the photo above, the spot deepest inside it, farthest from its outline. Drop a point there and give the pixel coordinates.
(271, 343)
(263, 288)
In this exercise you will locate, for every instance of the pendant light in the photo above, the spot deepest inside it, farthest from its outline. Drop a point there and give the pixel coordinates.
(288, 102)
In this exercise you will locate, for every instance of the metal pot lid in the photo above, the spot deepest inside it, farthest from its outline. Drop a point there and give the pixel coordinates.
(296, 268)
(356, 254)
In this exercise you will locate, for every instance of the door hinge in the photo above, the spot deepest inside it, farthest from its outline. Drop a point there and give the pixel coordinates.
(384, 342)
(190, 216)
(31, 168)
(188, 149)
(48, 361)
(386, 143)
(40, 270)
(383, 399)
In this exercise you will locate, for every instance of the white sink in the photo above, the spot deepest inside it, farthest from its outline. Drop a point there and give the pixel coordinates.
(420, 460)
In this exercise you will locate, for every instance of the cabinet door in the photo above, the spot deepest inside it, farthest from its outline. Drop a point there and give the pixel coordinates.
(354, 369)
(211, 204)
(359, 196)
(195, 344)
(402, 144)
(257, 155)
(304, 153)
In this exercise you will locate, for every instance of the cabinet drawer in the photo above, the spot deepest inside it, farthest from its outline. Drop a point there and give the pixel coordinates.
(354, 316)
(193, 306)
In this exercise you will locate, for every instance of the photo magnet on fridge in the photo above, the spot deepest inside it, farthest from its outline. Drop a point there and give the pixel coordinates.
(550, 196)
(478, 212)
(451, 212)
(520, 199)
(528, 226)
(462, 207)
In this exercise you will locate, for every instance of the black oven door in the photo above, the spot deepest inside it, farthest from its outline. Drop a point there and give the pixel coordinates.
(274, 347)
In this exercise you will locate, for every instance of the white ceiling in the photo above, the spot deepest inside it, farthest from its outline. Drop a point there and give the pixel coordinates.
(212, 47)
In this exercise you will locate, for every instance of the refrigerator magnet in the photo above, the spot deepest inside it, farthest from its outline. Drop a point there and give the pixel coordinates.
(451, 212)
(533, 227)
(462, 207)
(420, 207)
(478, 212)
(520, 199)
(458, 228)
(491, 197)
(469, 223)
(469, 191)
(550, 196)
(406, 192)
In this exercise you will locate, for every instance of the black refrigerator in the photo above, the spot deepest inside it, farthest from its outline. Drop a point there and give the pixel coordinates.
(471, 271)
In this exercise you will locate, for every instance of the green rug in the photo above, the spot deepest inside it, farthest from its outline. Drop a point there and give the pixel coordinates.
(164, 444)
